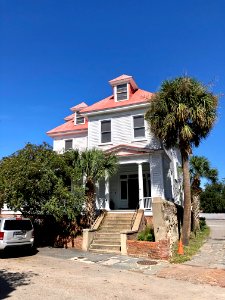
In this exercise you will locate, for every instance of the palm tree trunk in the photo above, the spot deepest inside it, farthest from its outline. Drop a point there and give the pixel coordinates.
(187, 200)
(90, 203)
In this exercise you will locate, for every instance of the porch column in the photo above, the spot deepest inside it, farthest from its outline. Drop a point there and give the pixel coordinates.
(140, 186)
(107, 198)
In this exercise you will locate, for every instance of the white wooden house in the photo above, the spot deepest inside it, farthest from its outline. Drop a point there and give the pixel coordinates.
(116, 124)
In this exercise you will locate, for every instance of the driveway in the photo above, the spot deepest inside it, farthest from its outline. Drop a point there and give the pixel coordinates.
(45, 277)
(68, 274)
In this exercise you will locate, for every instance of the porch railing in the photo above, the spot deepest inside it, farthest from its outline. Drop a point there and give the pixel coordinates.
(101, 203)
(146, 203)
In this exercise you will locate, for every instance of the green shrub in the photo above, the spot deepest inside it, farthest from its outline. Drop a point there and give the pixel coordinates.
(147, 234)
(202, 224)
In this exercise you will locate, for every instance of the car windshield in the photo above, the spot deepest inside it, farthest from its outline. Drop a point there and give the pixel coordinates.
(17, 225)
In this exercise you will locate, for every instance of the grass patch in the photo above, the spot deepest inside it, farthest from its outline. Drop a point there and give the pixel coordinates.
(195, 243)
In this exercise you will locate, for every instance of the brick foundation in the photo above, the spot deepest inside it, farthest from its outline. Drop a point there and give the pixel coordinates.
(75, 243)
(154, 250)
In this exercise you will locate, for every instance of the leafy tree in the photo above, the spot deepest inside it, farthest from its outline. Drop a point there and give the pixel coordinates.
(36, 181)
(199, 168)
(212, 199)
(93, 165)
(181, 114)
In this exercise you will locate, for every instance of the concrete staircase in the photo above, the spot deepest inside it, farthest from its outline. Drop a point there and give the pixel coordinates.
(107, 238)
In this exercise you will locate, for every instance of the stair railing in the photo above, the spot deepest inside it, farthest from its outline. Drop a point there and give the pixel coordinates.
(134, 217)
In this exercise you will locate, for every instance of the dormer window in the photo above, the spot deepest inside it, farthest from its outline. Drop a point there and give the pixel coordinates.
(121, 92)
(79, 119)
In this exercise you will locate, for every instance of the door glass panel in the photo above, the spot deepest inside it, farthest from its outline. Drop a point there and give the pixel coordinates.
(123, 189)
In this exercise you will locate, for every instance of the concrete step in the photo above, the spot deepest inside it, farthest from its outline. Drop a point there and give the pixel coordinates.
(114, 228)
(106, 241)
(115, 221)
(105, 247)
(119, 217)
(107, 235)
(105, 251)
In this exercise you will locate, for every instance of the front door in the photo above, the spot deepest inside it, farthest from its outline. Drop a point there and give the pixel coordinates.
(133, 192)
(129, 191)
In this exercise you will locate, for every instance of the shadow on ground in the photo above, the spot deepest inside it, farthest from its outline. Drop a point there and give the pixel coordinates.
(9, 281)
(17, 252)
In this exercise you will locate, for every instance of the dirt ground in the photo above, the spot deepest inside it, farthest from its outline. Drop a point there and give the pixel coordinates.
(44, 277)
(195, 274)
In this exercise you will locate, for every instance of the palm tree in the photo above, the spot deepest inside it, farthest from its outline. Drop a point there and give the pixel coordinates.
(181, 114)
(94, 165)
(199, 167)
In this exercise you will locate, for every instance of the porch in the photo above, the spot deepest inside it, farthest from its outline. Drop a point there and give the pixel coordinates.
(133, 186)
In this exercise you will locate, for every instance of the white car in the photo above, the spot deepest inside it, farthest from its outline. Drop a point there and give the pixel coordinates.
(16, 232)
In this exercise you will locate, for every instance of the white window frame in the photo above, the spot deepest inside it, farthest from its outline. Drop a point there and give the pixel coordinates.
(116, 93)
(78, 115)
(139, 137)
(100, 125)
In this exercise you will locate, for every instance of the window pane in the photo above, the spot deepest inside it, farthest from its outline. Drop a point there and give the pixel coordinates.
(17, 225)
(106, 137)
(138, 121)
(106, 126)
(133, 176)
(80, 120)
(122, 96)
(139, 132)
(122, 87)
(68, 144)
(123, 189)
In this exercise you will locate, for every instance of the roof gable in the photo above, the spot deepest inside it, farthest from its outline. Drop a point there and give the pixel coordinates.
(124, 79)
(78, 107)
(126, 150)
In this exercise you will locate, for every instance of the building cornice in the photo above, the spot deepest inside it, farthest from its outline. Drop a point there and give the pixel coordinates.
(116, 109)
(68, 132)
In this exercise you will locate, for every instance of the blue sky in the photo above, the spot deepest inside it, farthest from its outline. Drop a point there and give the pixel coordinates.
(55, 54)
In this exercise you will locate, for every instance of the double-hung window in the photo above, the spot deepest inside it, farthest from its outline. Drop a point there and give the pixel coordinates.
(121, 92)
(106, 131)
(139, 126)
(79, 118)
(68, 145)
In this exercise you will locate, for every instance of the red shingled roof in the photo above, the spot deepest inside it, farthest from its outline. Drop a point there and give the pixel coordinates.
(78, 107)
(68, 127)
(139, 96)
(70, 117)
(121, 77)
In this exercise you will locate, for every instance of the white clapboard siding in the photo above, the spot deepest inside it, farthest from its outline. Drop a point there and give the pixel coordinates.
(121, 131)
(157, 185)
(167, 177)
(79, 142)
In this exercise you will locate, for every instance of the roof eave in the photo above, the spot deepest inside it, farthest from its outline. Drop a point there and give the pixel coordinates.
(116, 109)
(68, 132)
